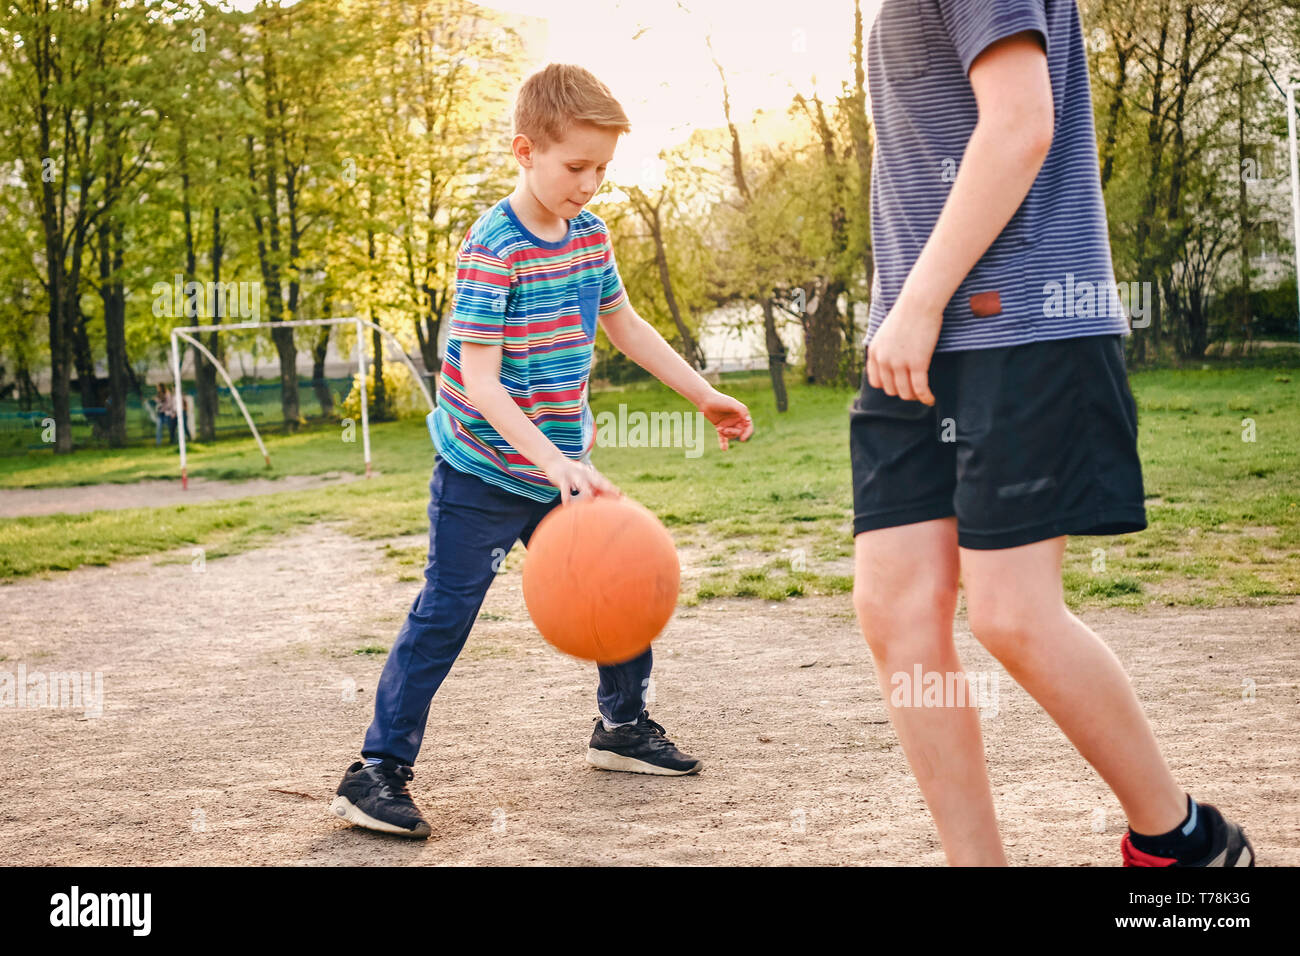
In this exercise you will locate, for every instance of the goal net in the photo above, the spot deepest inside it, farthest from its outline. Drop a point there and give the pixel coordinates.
(189, 335)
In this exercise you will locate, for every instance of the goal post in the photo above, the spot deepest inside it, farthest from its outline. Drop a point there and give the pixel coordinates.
(187, 334)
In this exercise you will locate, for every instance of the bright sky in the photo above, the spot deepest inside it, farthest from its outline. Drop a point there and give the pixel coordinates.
(652, 55)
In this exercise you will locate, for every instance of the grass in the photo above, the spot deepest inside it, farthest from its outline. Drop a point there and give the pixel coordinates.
(770, 519)
(313, 451)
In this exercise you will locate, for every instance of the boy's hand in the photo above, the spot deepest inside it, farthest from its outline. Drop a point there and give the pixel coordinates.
(576, 480)
(898, 358)
(729, 417)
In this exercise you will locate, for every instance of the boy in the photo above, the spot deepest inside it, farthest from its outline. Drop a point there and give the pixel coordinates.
(513, 432)
(993, 420)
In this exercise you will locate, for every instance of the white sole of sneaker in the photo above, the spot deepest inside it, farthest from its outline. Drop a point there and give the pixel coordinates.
(612, 761)
(345, 808)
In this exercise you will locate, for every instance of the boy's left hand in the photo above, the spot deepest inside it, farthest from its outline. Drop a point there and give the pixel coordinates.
(729, 417)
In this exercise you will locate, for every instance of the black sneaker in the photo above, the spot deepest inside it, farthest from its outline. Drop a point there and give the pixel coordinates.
(638, 748)
(1228, 846)
(374, 796)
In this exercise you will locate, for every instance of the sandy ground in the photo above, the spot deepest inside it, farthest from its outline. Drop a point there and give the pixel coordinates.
(152, 493)
(233, 699)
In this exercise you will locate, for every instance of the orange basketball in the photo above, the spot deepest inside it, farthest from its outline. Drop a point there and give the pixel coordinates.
(601, 578)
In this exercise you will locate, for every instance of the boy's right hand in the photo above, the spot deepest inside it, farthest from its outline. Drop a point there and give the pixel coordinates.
(898, 358)
(576, 480)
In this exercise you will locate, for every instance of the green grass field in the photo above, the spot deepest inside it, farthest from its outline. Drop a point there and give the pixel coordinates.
(770, 518)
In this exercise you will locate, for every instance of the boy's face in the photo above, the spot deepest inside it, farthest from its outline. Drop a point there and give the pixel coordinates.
(564, 176)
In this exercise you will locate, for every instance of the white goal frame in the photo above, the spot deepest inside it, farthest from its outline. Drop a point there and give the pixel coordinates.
(188, 332)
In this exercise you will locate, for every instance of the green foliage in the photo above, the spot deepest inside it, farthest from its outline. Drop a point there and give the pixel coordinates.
(1187, 111)
(402, 395)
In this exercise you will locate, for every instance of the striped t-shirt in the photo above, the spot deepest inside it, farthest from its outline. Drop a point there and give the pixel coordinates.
(539, 301)
(1048, 275)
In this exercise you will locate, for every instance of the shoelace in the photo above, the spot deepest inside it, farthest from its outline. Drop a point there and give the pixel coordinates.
(392, 783)
(654, 733)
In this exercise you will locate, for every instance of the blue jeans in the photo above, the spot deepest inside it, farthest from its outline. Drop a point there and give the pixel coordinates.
(167, 422)
(472, 526)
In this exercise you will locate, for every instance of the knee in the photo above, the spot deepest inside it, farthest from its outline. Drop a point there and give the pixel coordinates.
(1004, 624)
(903, 617)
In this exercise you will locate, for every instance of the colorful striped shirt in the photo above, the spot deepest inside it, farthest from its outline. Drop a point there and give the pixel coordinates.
(539, 301)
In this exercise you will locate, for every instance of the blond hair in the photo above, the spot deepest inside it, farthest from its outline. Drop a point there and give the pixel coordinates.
(554, 98)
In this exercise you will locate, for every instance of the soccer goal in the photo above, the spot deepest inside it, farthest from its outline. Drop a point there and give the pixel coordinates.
(187, 334)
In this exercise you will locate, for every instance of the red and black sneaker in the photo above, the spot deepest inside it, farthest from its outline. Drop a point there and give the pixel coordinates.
(1228, 846)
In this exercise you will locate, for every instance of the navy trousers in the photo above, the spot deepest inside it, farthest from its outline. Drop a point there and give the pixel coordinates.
(472, 526)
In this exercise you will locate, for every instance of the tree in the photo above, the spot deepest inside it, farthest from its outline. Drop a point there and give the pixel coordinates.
(77, 117)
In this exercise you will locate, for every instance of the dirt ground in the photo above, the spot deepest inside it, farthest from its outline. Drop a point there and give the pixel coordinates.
(152, 493)
(235, 696)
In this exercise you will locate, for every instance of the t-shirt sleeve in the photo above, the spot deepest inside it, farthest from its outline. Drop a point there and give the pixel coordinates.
(482, 292)
(612, 294)
(975, 25)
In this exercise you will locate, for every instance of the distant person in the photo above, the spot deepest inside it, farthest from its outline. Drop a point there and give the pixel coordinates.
(163, 420)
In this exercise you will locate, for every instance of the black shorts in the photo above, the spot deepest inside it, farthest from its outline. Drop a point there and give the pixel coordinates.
(1023, 443)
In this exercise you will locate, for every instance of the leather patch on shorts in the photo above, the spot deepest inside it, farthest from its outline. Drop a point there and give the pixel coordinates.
(986, 304)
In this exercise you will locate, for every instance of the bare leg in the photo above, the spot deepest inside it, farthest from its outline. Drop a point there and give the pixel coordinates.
(1017, 610)
(905, 593)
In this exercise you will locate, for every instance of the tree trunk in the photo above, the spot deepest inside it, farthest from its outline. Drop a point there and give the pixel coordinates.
(1155, 154)
(318, 383)
(1113, 112)
(1175, 227)
(61, 322)
(427, 330)
(824, 337)
(380, 411)
(426, 333)
(205, 375)
(60, 285)
(28, 394)
(92, 396)
(268, 245)
(775, 355)
(1242, 310)
(31, 395)
(377, 369)
(288, 354)
(690, 347)
(113, 296)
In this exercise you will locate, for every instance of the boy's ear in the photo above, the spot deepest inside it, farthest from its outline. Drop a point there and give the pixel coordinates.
(523, 149)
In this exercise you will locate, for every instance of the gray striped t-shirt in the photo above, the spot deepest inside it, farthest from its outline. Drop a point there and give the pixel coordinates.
(1048, 275)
